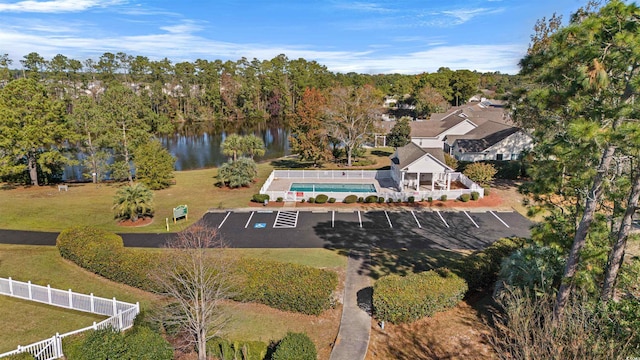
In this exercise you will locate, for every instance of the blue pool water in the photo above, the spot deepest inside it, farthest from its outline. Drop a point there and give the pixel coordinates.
(318, 187)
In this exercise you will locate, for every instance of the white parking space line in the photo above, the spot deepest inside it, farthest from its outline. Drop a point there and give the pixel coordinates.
(359, 218)
(497, 217)
(416, 219)
(389, 220)
(474, 223)
(333, 218)
(249, 220)
(286, 219)
(441, 218)
(223, 220)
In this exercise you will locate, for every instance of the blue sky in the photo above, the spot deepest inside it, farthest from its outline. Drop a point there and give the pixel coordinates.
(405, 36)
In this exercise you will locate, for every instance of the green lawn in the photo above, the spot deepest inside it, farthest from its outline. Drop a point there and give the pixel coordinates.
(44, 208)
(43, 265)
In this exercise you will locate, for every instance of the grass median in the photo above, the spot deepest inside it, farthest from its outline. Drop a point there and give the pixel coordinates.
(29, 322)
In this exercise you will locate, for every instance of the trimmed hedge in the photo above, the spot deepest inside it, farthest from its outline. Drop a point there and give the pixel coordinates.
(475, 195)
(332, 200)
(403, 299)
(312, 200)
(231, 350)
(411, 199)
(481, 268)
(371, 199)
(139, 343)
(321, 199)
(260, 198)
(465, 197)
(381, 200)
(103, 253)
(295, 346)
(350, 199)
(284, 286)
(443, 198)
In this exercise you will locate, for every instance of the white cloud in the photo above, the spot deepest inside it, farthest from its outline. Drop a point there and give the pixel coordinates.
(56, 6)
(364, 7)
(461, 16)
(180, 43)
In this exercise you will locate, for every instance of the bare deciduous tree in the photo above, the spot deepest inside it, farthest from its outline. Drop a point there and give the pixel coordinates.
(195, 275)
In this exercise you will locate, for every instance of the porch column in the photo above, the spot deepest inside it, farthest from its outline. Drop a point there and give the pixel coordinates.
(448, 181)
(402, 181)
(418, 181)
(433, 176)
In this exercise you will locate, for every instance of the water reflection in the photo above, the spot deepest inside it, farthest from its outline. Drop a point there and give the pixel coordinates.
(203, 151)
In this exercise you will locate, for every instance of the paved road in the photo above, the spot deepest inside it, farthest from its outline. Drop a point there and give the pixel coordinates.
(336, 230)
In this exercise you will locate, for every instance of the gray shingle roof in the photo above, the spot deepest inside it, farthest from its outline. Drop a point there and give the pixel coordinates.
(411, 152)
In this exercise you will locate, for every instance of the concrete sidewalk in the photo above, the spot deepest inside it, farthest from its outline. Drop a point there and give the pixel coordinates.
(355, 326)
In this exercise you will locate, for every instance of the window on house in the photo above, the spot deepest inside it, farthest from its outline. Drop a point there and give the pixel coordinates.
(514, 156)
(498, 157)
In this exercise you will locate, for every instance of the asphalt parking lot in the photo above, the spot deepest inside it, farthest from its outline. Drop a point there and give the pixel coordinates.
(464, 230)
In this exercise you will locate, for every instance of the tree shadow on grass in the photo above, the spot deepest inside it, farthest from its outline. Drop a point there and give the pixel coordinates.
(381, 153)
(290, 163)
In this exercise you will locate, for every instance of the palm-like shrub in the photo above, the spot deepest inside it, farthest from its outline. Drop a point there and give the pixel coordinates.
(238, 173)
(132, 202)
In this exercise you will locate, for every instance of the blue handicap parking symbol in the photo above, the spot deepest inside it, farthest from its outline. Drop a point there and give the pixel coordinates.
(260, 225)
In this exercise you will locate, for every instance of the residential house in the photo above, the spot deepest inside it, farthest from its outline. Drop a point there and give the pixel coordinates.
(490, 141)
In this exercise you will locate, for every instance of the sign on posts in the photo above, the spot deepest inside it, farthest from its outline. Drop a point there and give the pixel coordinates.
(180, 211)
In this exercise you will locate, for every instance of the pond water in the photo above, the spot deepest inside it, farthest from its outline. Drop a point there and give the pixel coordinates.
(203, 150)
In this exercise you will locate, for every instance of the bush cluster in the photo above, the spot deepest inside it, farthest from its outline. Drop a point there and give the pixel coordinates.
(402, 299)
(509, 169)
(138, 343)
(321, 199)
(332, 200)
(231, 350)
(312, 200)
(285, 286)
(475, 195)
(443, 198)
(295, 346)
(381, 200)
(260, 198)
(481, 268)
(411, 199)
(465, 197)
(350, 199)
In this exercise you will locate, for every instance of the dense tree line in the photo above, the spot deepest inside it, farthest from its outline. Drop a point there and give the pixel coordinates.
(106, 108)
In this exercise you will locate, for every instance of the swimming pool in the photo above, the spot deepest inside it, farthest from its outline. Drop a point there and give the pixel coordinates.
(333, 187)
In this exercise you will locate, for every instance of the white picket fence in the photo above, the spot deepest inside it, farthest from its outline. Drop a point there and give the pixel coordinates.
(121, 314)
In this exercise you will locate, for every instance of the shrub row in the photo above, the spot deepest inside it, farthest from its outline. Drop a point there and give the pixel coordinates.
(231, 350)
(284, 286)
(403, 299)
(507, 169)
(481, 268)
(103, 253)
(138, 343)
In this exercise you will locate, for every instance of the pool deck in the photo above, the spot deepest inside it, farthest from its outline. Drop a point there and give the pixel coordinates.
(383, 185)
